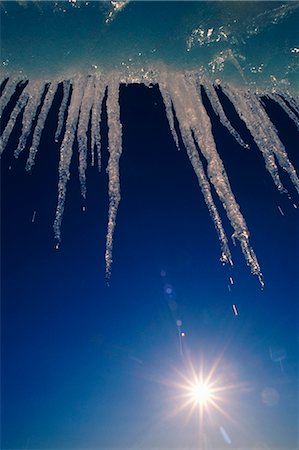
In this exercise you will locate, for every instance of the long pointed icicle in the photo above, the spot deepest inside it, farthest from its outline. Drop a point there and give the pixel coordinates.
(264, 134)
(276, 144)
(293, 100)
(217, 174)
(168, 107)
(186, 132)
(37, 89)
(278, 99)
(40, 124)
(192, 112)
(100, 88)
(13, 117)
(218, 109)
(66, 151)
(115, 150)
(86, 105)
(66, 86)
(257, 129)
(9, 90)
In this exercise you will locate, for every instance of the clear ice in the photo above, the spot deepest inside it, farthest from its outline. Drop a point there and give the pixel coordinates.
(82, 103)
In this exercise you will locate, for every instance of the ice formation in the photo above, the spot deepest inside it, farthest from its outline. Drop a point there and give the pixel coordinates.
(81, 107)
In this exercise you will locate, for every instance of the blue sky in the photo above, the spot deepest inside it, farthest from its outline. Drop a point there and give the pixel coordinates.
(86, 365)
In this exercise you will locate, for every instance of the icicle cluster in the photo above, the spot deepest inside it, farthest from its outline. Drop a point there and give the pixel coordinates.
(264, 133)
(81, 108)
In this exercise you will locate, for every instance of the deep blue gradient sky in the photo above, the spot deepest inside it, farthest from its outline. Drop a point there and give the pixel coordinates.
(82, 362)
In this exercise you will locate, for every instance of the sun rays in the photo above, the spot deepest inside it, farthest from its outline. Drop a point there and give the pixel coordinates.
(207, 391)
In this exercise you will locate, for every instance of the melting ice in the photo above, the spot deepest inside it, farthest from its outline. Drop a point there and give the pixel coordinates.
(183, 47)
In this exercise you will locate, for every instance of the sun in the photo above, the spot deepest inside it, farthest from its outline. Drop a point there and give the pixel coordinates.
(204, 390)
(200, 393)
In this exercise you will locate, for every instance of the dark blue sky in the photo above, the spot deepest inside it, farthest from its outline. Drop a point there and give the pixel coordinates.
(82, 362)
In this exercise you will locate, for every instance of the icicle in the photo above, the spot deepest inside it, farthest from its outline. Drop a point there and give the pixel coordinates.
(217, 174)
(3, 79)
(66, 86)
(177, 98)
(277, 146)
(85, 110)
(168, 106)
(217, 107)
(115, 149)
(277, 98)
(40, 124)
(66, 150)
(9, 90)
(100, 88)
(258, 129)
(13, 117)
(169, 114)
(189, 107)
(293, 100)
(36, 90)
(182, 99)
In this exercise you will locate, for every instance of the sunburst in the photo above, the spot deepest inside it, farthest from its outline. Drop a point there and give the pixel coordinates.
(203, 389)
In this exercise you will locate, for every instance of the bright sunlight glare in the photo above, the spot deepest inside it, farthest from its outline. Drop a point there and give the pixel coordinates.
(201, 393)
(206, 390)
